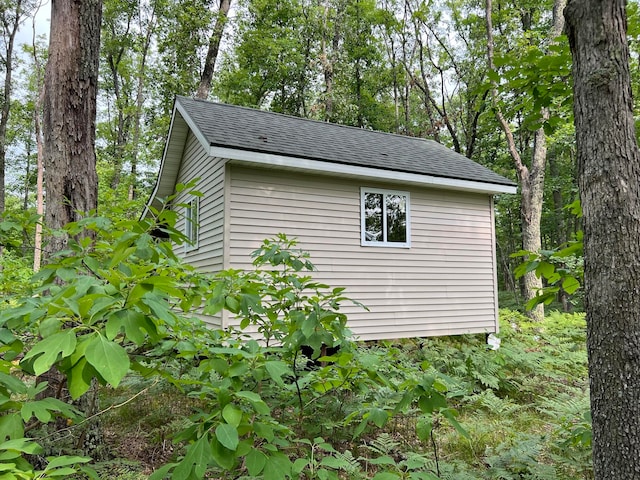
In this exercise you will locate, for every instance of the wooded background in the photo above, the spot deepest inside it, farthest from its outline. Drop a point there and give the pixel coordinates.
(491, 80)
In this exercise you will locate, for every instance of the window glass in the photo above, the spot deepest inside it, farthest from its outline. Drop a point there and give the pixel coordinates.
(385, 217)
(373, 217)
(191, 223)
(396, 218)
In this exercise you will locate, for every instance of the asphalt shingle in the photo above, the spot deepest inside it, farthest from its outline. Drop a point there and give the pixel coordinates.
(244, 128)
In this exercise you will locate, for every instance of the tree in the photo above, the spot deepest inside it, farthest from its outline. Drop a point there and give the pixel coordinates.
(608, 172)
(531, 176)
(11, 15)
(212, 52)
(71, 81)
(271, 62)
(450, 80)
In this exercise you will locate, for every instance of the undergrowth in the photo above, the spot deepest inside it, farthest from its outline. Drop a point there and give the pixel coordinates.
(524, 408)
(184, 401)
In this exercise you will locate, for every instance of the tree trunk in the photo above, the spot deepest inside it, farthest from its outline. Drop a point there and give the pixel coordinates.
(37, 124)
(140, 99)
(69, 115)
(608, 173)
(531, 178)
(531, 182)
(10, 29)
(327, 55)
(71, 80)
(212, 52)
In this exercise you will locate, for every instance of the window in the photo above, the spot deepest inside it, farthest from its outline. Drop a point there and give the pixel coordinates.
(385, 218)
(191, 219)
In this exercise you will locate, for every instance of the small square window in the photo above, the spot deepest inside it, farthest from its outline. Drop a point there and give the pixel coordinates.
(191, 223)
(385, 218)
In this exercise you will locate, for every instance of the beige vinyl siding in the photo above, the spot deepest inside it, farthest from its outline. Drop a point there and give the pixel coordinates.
(444, 284)
(209, 254)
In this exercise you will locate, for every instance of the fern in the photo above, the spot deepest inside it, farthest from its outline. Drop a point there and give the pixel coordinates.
(352, 462)
(383, 444)
(569, 404)
(520, 459)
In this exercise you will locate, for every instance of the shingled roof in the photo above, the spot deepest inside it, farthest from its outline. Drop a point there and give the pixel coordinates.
(248, 129)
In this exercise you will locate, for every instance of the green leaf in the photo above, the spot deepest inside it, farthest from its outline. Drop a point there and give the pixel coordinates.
(570, 285)
(42, 409)
(79, 378)
(277, 370)
(197, 459)
(108, 358)
(298, 466)
(334, 462)
(264, 431)
(66, 460)
(11, 426)
(378, 416)
(383, 460)
(232, 304)
(222, 456)
(227, 435)
(450, 415)
(161, 473)
(134, 324)
(232, 415)
(386, 476)
(23, 445)
(431, 401)
(12, 383)
(48, 350)
(545, 269)
(424, 427)
(255, 462)
(49, 326)
(256, 402)
(60, 472)
(278, 467)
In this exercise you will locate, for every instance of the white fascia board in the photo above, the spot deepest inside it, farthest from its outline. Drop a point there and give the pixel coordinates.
(192, 125)
(154, 193)
(355, 171)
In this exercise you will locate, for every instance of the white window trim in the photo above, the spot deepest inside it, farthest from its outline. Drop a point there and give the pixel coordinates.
(368, 243)
(192, 204)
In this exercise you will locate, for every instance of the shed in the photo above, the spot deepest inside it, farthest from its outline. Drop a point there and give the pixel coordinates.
(404, 223)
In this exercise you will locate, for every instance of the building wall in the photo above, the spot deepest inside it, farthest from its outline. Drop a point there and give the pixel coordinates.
(208, 256)
(444, 284)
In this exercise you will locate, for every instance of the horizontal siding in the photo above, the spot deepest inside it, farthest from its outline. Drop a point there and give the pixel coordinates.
(444, 284)
(209, 255)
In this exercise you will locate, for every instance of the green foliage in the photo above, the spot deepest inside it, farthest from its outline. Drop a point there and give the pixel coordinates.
(305, 400)
(562, 268)
(124, 303)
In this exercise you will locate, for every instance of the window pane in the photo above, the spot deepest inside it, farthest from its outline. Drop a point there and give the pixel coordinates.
(373, 217)
(191, 221)
(396, 218)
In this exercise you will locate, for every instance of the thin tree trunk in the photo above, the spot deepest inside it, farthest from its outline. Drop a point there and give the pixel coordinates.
(530, 191)
(37, 248)
(140, 101)
(531, 178)
(37, 114)
(10, 30)
(214, 48)
(608, 173)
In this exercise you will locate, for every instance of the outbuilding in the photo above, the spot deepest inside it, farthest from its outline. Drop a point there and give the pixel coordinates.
(404, 223)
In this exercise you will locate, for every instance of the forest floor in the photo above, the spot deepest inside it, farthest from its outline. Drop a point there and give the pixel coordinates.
(524, 408)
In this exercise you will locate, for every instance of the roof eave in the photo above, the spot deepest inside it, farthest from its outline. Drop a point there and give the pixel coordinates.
(165, 183)
(365, 173)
